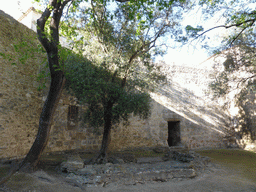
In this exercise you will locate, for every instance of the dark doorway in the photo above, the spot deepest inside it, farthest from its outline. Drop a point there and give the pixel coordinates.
(173, 133)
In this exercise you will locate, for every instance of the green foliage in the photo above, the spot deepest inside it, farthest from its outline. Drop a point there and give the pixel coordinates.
(23, 50)
(95, 86)
(120, 45)
(238, 70)
(220, 86)
(26, 49)
(193, 32)
(246, 102)
(239, 15)
(238, 76)
(43, 76)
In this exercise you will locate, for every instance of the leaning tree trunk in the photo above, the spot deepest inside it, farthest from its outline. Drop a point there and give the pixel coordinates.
(102, 156)
(32, 158)
(57, 81)
(51, 46)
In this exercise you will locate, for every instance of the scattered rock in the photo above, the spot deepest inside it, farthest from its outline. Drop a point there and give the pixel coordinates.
(109, 164)
(200, 163)
(167, 156)
(178, 164)
(73, 163)
(127, 158)
(115, 160)
(149, 160)
(87, 170)
(183, 157)
(161, 149)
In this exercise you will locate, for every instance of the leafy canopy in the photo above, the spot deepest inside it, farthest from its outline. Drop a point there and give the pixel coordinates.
(95, 86)
(119, 45)
(237, 79)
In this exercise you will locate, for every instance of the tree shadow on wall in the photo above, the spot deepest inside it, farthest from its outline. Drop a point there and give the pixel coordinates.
(198, 110)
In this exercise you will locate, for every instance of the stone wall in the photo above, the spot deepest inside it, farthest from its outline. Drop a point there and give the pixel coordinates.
(20, 102)
(201, 121)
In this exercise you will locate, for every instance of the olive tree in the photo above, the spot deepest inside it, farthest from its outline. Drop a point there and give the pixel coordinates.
(120, 44)
(48, 26)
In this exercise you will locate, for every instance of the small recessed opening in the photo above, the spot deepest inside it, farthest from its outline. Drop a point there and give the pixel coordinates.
(173, 133)
(72, 117)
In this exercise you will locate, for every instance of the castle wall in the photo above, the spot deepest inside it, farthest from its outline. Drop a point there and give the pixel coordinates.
(20, 103)
(201, 122)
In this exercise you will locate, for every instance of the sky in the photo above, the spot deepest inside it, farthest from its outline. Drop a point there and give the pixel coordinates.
(15, 7)
(187, 55)
(192, 54)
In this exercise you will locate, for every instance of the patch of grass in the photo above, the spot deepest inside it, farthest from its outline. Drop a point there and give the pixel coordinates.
(245, 161)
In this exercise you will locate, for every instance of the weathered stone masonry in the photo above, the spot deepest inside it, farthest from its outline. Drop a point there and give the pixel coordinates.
(196, 122)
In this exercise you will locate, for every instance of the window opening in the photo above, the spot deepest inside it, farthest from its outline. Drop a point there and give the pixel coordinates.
(72, 117)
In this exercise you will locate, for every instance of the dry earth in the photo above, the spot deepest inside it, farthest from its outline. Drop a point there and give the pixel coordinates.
(220, 179)
(216, 178)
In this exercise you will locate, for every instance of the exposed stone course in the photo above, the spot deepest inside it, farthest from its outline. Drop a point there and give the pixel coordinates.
(146, 169)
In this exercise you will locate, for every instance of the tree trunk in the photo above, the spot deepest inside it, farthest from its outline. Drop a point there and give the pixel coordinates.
(57, 81)
(102, 157)
(52, 100)
(56, 86)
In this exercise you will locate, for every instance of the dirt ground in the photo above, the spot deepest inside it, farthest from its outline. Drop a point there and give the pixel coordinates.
(218, 179)
(230, 171)
(221, 179)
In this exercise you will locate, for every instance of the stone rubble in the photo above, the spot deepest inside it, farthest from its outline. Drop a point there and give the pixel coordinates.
(132, 173)
(74, 162)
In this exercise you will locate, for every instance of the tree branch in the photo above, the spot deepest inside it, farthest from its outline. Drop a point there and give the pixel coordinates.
(241, 32)
(245, 79)
(228, 26)
(54, 25)
(41, 26)
(44, 17)
(122, 1)
(69, 7)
